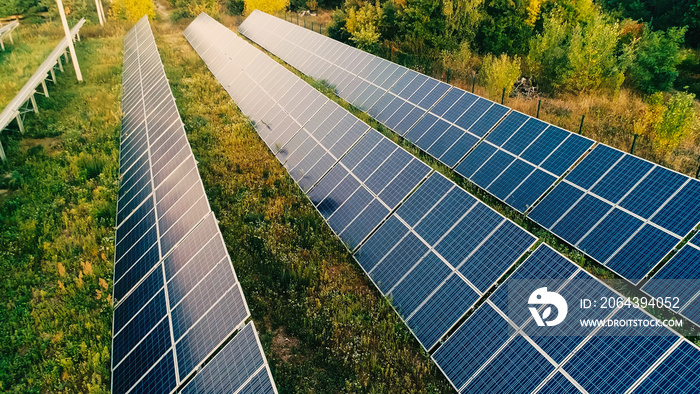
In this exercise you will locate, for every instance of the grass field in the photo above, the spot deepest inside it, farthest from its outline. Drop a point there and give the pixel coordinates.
(57, 221)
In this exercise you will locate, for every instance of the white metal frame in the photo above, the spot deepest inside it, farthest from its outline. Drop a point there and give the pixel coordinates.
(18, 106)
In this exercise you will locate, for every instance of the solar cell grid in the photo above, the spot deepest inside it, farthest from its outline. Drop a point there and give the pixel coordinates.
(202, 297)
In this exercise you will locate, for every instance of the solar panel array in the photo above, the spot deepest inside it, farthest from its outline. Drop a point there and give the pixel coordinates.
(436, 255)
(442, 250)
(502, 350)
(176, 295)
(680, 277)
(635, 212)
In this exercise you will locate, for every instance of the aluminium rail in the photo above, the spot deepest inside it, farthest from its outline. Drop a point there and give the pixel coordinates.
(7, 31)
(17, 108)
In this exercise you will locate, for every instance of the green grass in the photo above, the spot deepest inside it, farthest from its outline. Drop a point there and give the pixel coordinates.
(20, 60)
(57, 206)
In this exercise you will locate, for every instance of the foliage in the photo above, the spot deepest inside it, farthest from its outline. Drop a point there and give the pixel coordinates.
(192, 8)
(57, 229)
(462, 18)
(666, 123)
(585, 57)
(133, 10)
(658, 55)
(500, 72)
(503, 28)
(662, 15)
(235, 7)
(16, 7)
(363, 26)
(462, 63)
(689, 72)
(269, 6)
(337, 28)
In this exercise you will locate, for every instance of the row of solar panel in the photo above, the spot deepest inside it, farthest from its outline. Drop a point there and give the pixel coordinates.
(635, 222)
(438, 253)
(177, 298)
(363, 184)
(501, 348)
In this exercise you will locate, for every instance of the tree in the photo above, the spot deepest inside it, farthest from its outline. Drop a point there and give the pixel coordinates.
(658, 55)
(585, 57)
(503, 28)
(363, 26)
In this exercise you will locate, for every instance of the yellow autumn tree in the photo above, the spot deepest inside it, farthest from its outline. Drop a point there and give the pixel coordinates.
(269, 6)
(133, 10)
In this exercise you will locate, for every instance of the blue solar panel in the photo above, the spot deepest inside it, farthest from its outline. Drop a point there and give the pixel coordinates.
(532, 188)
(507, 128)
(398, 262)
(229, 370)
(611, 362)
(441, 311)
(417, 205)
(558, 384)
(609, 235)
(519, 368)
(379, 244)
(681, 214)
(641, 253)
(679, 372)
(476, 340)
(594, 166)
(422, 280)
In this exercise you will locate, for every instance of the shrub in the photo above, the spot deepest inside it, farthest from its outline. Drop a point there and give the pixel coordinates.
(363, 26)
(235, 7)
(499, 72)
(665, 123)
(269, 6)
(133, 10)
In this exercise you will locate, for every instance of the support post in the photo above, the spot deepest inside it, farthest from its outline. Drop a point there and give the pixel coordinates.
(2, 154)
(580, 128)
(53, 75)
(46, 90)
(634, 142)
(503, 96)
(539, 104)
(99, 14)
(73, 55)
(2, 44)
(20, 124)
(60, 64)
(33, 100)
(10, 34)
(474, 83)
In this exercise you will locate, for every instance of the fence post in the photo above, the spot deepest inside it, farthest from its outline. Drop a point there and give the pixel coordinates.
(580, 128)
(312, 25)
(503, 95)
(473, 82)
(697, 173)
(447, 76)
(634, 142)
(304, 23)
(539, 104)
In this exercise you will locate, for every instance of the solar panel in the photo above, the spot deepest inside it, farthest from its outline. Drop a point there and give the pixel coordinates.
(521, 159)
(503, 350)
(438, 254)
(407, 102)
(636, 212)
(177, 298)
(679, 277)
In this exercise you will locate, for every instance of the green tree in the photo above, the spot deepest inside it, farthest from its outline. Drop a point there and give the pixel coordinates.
(503, 28)
(133, 10)
(658, 55)
(363, 26)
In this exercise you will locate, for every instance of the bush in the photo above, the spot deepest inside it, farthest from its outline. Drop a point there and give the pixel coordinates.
(658, 55)
(235, 7)
(133, 10)
(337, 28)
(269, 6)
(665, 123)
(499, 72)
(192, 8)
